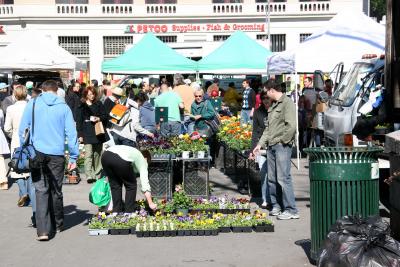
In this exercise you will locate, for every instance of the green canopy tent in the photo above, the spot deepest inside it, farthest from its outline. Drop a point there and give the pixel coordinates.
(239, 54)
(149, 56)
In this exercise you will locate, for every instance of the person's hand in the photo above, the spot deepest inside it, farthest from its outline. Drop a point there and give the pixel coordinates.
(151, 135)
(153, 206)
(251, 156)
(80, 139)
(158, 127)
(71, 166)
(256, 150)
(196, 117)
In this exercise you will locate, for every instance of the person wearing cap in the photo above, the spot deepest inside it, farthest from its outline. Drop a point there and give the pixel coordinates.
(3, 91)
(73, 99)
(112, 100)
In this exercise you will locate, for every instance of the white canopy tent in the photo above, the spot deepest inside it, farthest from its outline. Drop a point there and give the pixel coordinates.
(32, 51)
(345, 38)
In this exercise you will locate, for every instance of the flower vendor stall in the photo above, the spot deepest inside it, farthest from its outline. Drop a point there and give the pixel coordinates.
(206, 217)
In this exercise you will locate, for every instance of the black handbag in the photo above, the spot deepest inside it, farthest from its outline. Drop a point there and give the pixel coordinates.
(214, 123)
(25, 157)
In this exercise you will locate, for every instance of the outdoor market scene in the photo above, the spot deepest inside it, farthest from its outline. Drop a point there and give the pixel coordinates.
(252, 133)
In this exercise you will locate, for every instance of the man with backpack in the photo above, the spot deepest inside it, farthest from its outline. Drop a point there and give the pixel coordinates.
(54, 125)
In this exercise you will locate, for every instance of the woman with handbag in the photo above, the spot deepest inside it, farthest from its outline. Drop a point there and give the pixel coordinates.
(11, 126)
(90, 127)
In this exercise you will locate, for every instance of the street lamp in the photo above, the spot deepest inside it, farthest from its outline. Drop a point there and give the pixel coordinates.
(268, 20)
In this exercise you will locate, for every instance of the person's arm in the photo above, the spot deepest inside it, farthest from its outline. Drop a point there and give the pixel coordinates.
(8, 129)
(71, 135)
(252, 101)
(136, 123)
(289, 114)
(26, 121)
(142, 167)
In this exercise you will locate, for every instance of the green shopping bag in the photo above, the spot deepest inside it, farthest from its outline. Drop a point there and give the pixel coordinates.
(100, 194)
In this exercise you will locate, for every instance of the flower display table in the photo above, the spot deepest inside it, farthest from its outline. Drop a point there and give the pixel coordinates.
(195, 176)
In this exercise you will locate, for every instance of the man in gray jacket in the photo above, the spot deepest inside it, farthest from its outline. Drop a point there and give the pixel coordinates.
(278, 138)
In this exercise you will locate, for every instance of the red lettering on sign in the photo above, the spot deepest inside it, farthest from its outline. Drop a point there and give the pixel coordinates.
(164, 28)
(2, 29)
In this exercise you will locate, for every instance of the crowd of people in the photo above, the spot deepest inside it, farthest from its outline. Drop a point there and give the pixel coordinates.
(110, 121)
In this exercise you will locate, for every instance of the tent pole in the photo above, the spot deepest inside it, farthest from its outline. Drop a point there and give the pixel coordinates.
(296, 97)
(197, 76)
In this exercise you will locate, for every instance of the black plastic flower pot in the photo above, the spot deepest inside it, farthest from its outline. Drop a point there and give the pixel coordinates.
(264, 228)
(153, 234)
(214, 232)
(181, 232)
(159, 233)
(172, 233)
(188, 233)
(241, 229)
(167, 233)
(119, 231)
(200, 232)
(194, 232)
(224, 229)
(207, 232)
(146, 234)
(132, 231)
(139, 234)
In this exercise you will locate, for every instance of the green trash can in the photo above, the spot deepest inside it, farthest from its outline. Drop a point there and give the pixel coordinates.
(343, 181)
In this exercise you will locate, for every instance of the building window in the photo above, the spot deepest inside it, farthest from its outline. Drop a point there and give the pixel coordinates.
(271, 1)
(72, 2)
(76, 45)
(6, 2)
(227, 1)
(220, 38)
(278, 42)
(304, 36)
(168, 38)
(115, 45)
(112, 2)
(160, 2)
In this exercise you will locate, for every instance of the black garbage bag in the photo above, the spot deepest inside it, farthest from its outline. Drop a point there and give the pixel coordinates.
(354, 241)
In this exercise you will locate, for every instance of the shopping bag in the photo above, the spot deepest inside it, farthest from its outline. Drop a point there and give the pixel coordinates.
(99, 128)
(100, 194)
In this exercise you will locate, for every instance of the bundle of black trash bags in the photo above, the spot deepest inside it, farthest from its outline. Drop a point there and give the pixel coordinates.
(355, 241)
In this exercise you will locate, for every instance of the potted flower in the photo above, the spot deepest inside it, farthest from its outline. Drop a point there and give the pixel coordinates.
(242, 223)
(98, 225)
(181, 201)
(119, 225)
(261, 223)
(198, 146)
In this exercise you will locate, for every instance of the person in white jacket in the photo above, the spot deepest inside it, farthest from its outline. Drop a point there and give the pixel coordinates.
(4, 150)
(11, 126)
(126, 135)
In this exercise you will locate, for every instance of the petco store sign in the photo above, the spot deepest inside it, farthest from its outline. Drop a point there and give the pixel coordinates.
(176, 28)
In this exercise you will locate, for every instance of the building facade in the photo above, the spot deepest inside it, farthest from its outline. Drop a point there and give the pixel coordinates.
(95, 30)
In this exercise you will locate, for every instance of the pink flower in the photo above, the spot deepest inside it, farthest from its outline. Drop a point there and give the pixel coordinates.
(178, 188)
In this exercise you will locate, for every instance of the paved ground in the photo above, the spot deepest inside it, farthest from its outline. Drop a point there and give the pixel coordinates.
(73, 247)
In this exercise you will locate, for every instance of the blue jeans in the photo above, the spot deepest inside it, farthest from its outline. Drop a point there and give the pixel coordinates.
(187, 124)
(245, 116)
(26, 188)
(279, 177)
(120, 140)
(263, 165)
(171, 128)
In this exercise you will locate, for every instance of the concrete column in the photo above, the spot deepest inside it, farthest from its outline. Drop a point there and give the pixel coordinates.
(96, 55)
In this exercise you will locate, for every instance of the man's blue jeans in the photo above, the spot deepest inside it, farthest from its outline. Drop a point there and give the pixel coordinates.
(263, 165)
(279, 177)
(26, 188)
(245, 116)
(171, 128)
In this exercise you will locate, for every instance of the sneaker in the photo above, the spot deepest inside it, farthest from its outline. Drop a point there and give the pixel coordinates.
(264, 205)
(275, 211)
(43, 238)
(286, 215)
(91, 180)
(23, 200)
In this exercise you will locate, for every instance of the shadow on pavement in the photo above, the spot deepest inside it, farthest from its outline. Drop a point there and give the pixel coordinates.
(74, 216)
(305, 244)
